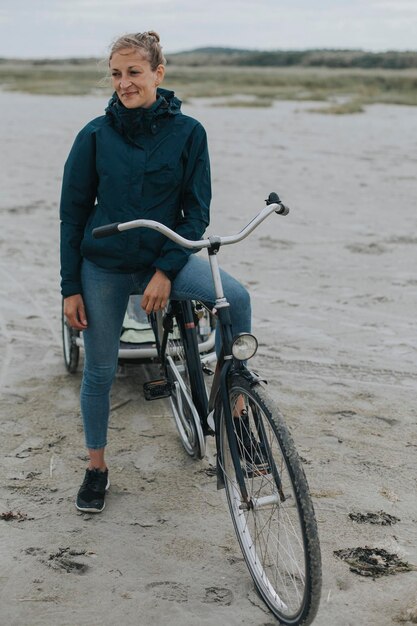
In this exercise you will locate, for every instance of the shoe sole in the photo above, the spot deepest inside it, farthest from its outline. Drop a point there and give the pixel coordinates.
(90, 510)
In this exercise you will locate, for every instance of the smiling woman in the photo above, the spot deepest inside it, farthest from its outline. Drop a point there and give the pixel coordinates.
(133, 79)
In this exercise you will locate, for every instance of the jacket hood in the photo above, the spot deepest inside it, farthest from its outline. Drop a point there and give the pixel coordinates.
(134, 122)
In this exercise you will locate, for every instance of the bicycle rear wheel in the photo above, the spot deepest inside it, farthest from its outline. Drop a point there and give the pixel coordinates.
(184, 372)
(276, 528)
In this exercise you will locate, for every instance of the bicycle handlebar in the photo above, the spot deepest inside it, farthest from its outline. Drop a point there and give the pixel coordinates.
(274, 205)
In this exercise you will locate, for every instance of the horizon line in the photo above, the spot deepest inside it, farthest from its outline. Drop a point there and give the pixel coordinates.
(213, 48)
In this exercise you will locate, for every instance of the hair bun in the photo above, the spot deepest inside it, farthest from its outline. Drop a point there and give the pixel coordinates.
(152, 33)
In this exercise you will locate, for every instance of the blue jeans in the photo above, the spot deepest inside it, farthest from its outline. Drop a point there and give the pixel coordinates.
(106, 295)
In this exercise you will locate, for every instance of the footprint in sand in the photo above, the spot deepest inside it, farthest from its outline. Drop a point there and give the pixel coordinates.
(166, 590)
(380, 518)
(218, 595)
(60, 560)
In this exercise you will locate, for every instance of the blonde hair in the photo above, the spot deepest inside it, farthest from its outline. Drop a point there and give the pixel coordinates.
(147, 42)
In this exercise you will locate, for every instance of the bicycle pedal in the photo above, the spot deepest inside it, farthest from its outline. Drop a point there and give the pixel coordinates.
(156, 389)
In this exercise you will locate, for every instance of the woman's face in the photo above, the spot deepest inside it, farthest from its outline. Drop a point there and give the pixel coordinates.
(133, 78)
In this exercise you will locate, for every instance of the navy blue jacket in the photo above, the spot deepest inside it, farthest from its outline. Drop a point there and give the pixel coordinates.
(130, 164)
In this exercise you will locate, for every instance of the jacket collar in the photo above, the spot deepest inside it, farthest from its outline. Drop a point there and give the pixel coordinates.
(135, 122)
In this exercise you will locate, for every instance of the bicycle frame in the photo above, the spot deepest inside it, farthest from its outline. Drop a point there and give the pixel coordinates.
(227, 365)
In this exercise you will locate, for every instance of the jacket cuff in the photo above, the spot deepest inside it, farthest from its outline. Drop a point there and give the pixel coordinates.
(71, 289)
(171, 274)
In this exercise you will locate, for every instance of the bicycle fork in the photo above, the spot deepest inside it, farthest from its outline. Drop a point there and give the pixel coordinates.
(230, 434)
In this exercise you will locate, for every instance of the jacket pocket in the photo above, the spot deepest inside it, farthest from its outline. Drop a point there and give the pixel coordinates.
(161, 178)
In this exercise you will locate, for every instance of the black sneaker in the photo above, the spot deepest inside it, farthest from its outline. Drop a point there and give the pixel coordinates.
(250, 449)
(90, 497)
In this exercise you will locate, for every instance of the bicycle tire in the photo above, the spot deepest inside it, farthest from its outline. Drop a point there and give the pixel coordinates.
(70, 349)
(188, 391)
(279, 539)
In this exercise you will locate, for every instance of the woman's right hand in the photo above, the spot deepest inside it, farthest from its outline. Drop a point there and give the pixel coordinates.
(74, 311)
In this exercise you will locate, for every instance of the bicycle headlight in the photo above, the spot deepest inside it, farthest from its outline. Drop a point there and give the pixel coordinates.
(244, 346)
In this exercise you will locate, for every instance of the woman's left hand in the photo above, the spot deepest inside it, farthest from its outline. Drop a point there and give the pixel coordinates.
(156, 294)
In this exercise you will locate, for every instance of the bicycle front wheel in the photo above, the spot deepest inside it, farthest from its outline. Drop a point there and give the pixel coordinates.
(276, 526)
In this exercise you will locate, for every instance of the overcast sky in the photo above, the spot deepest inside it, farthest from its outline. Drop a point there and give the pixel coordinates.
(60, 28)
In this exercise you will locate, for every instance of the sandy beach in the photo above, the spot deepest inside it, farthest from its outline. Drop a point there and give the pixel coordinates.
(334, 289)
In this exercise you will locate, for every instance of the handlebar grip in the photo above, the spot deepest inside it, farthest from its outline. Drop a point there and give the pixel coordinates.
(106, 231)
(283, 210)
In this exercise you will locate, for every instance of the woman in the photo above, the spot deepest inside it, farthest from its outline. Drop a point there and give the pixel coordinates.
(142, 159)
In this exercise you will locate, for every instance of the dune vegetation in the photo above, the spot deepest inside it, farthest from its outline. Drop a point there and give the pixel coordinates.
(344, 80)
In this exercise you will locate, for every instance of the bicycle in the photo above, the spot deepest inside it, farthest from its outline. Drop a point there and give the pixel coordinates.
(257, 463)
